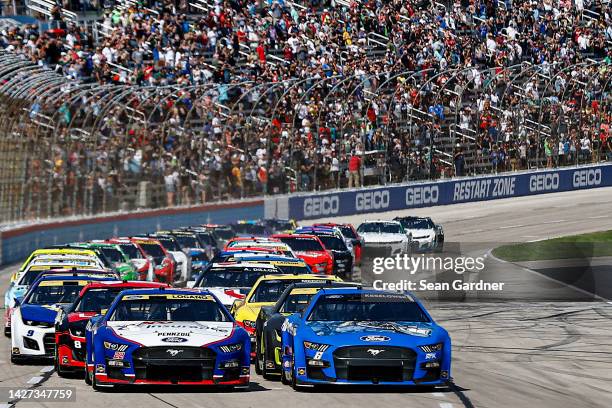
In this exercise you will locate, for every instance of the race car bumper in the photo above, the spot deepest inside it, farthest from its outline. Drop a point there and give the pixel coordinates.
(171, 375)
(358, 365)
(32, 342)
(70, 351)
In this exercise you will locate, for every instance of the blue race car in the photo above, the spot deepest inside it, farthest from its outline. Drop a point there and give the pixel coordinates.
(167, 336)
(358, 336)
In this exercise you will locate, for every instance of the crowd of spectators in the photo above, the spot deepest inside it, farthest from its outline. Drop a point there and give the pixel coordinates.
(240, 97)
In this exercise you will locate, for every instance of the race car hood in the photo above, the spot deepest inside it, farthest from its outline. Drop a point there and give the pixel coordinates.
(228, 296)
(371, 237)
(40, 313)
(165, 333)
(367, 332)
(311, 255)
(421, 232)
(79, 316)
(250, 311)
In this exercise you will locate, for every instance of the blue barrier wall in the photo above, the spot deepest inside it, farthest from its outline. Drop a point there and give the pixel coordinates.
(415, 195)
(18, 243)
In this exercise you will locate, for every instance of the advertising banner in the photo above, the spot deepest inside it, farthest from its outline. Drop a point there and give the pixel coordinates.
(465, 190)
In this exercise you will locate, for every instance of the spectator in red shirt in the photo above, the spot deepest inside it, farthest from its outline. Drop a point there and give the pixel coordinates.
(354, 166)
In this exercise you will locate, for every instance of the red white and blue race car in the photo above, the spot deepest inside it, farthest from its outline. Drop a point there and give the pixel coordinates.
(167, 336)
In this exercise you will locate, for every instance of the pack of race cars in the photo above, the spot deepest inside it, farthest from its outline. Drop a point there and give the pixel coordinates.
(198, 305)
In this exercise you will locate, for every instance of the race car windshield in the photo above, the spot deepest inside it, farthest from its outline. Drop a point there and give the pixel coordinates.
(270, 291)
(57, 294)
(199, 257)
(250, 229)
(303, 244)
(293, 269)
(113, 254)
(225, 233)
(29, 277)
(417, 223)
(154, 250)
(333, 243)
(163, 309)
(348, 232)
(232, 278)
(131, 251)
(381, 228)
(207, 239)
(358, 308)
(188, 241)
(95, 300)
(169, 244)
(296, 303)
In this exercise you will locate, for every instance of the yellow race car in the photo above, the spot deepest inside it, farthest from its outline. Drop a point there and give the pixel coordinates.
(265, 292)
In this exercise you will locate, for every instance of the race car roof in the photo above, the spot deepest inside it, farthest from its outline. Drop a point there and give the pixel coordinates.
(299, 277)
(253, 256)
(123, 284)
(369, 293)
(165, 291)
(241, 265)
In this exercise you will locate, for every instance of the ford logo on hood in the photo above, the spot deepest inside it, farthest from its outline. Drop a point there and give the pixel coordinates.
(374, 338)
(174, 340)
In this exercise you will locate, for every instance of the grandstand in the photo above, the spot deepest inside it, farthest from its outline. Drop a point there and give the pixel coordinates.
(125, 104)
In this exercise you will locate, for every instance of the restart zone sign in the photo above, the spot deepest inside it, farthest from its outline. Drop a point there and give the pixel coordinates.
(447, 192)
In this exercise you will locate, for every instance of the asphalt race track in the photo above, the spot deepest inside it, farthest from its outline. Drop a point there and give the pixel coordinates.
(538, 343)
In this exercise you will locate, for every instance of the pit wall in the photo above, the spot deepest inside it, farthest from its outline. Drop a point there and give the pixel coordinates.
(18, 242)
(442, 192)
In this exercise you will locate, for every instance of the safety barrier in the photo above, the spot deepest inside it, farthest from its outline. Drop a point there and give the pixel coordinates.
(18, 242)
(444, 192)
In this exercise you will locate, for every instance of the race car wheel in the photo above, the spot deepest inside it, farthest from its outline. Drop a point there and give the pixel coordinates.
(259, 359)
(7, 332)
(58, 367)
(87, 377)
(16, 360)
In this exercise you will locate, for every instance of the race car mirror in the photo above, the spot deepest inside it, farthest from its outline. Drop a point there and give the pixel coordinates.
(103, 312)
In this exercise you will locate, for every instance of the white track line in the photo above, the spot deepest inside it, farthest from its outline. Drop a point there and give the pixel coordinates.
(446, 405)
(35, 380)
(437, 394)
(6, 405)
(47, 369)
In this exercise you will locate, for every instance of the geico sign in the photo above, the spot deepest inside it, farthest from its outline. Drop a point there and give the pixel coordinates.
(372, 200)
(544, 182)
(325, 205)
(587, 177)
(422, 195)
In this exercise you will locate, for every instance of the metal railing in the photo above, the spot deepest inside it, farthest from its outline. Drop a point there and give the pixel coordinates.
(69, 148)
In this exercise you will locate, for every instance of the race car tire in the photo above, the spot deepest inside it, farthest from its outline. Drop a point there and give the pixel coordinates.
(17, 360)
(58, 367)
(259, 359)
(284, 379)
(87, 377)
(7, 332)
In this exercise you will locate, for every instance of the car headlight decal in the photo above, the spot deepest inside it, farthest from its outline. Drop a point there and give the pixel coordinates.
(431, 348)
(231, 348)
(309, 345)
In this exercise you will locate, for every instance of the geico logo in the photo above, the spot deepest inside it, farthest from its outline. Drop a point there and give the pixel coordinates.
(589, 177)
(321, 205)
(422, 195)
(544, 182)
(372, 200)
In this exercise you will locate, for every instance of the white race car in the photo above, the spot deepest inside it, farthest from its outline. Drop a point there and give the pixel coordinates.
(231, 281)
(33, 319)
(384, 238)
(426, 235)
